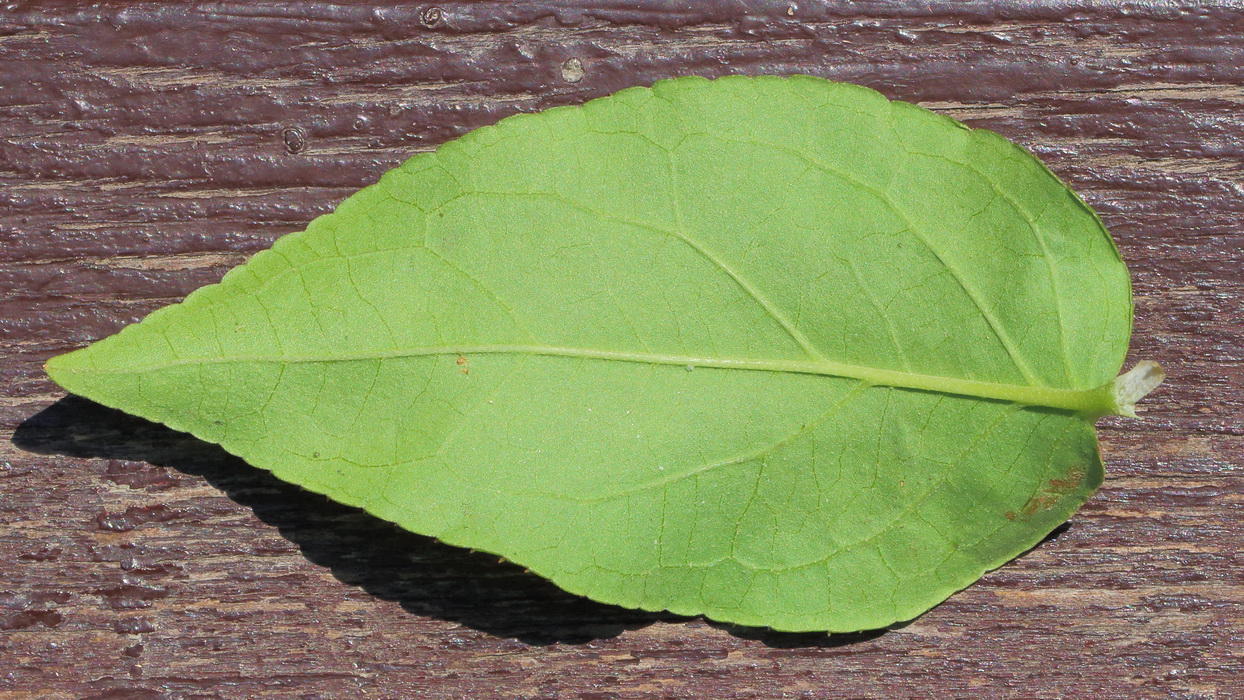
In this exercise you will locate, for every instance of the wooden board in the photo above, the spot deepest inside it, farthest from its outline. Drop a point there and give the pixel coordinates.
(145, 148)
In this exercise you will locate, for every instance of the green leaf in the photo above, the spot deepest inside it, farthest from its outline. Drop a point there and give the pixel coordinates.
(772, 350)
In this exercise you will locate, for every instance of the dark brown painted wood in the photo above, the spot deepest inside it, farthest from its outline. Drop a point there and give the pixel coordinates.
(145, 148)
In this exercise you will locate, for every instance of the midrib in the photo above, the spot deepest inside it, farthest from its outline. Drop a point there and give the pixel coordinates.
(1066, 399)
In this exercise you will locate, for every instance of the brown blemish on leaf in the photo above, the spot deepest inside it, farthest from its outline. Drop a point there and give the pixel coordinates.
(1053, 492)
(1063, 487)
(1041, 501)
(1009, 515)
(462, 362)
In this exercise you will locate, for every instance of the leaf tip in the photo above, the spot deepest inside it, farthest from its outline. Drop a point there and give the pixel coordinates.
(55, 367)
(64, 369)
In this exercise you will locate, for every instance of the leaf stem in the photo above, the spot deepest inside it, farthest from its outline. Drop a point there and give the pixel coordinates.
(1126, 389)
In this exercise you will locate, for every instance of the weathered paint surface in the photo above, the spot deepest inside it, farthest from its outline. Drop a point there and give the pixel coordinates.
(145, 148)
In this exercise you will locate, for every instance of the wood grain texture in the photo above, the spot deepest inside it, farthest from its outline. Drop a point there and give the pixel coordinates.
(145, 148)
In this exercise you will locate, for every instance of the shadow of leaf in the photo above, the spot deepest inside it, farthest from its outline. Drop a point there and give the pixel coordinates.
(423, 575)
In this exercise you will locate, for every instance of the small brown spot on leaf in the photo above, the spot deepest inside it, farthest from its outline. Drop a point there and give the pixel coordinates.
(1009, 515)
(462, 362)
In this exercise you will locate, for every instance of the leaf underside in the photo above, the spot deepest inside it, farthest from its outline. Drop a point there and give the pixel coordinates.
(776, 351)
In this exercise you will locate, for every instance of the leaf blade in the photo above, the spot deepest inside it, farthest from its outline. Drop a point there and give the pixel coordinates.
(692, 312)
